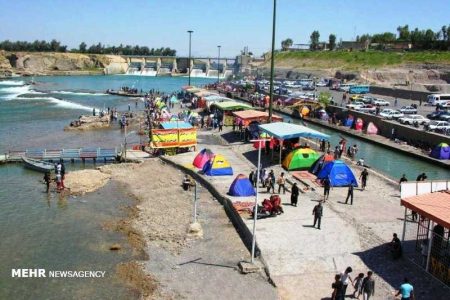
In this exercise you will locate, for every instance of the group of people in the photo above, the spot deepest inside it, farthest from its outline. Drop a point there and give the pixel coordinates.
(60, 172)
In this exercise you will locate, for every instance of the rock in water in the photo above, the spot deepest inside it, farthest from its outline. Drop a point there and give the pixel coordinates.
(115, 247)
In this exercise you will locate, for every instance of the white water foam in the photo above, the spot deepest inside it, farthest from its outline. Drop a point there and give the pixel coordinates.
(11, 93)
(11, 82)
(78, 93)
(60, 103)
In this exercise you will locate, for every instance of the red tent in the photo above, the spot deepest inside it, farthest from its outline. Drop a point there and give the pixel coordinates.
(202, 158)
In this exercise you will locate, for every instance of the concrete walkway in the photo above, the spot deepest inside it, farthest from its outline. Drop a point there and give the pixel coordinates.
(302, 260)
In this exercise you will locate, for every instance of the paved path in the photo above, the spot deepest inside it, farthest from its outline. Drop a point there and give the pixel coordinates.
(302, 260)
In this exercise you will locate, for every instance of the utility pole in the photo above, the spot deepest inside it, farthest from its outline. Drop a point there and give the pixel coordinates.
(189, 62)
(272, 63)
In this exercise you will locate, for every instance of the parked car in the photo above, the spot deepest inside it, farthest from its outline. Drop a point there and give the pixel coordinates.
(436, 115)
(391, 114)
(408, 110)
(446, 105)
(368, 99)
(357, 98)
(380, 102)
(445, 117)
(355, 105)
(321, 83)
(367, 108)
(411, 119)
(308, 88)
(439, 126)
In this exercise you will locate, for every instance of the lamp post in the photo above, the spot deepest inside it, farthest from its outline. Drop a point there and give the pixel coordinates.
(189, 61)
(255, 208)
(218, 65)
(272, 63)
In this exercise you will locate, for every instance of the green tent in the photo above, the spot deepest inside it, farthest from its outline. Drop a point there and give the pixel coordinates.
(302, 158)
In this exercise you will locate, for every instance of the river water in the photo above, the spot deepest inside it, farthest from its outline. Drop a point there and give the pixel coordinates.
(46, 231)
(62, 233)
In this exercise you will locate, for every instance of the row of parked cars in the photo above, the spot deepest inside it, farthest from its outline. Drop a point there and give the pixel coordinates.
(438, 121)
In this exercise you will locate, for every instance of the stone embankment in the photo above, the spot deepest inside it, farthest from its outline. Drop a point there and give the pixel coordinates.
(51, 63)
(89, 122)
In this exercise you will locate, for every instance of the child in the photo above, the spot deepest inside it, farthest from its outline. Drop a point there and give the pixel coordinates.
(358, 285)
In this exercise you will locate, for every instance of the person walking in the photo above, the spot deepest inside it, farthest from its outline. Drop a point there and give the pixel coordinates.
(368, 286)
(350, 193)
(250, 177)
(294, 194)
(271, 182)
(317, 212)
(346, 279)
(220, 125)
(281, 183)
(358, 285)
(406, 290)
(326, 188)
(363, 177)
(337, 288)
(47, 180)
(63, 174)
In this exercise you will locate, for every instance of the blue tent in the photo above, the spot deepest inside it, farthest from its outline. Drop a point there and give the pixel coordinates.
(339, 173)
(241, 187)
(217, 166)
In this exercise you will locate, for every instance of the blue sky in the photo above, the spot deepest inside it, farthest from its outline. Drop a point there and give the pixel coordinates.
(232, 24)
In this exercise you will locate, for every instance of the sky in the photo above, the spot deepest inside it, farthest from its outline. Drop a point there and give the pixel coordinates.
(233, 24)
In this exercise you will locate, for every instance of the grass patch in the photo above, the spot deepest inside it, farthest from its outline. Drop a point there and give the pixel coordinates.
(361, 60)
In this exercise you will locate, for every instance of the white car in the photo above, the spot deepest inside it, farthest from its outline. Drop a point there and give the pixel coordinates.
(321, 83)
(380, 102)
(446, 105)
(355, 105)
(411, 119)
(368, 99)
(367, 108)
(437, 126)
(391, 114)
(408, 110)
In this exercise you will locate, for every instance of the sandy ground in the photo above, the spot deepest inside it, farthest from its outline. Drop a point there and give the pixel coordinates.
(178, 265)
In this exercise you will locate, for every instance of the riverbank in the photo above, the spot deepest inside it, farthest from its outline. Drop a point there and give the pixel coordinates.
(374, 139)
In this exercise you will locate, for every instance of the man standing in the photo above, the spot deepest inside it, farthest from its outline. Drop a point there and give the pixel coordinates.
(406, 290)
(47, 180)
(368, 286)
(326, 188)
(363, 178)
(250, 177)
(350, 193)
(294, 194)
(281, 183)
(317, 212)
(346, 279)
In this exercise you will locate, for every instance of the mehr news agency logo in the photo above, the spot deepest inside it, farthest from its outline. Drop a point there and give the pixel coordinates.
(43, 273)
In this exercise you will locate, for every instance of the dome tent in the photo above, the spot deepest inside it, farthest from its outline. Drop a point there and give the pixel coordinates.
(339, 174)
(217, 166)
(202, 158)
(241, 187)
(441, 151)
(301, 158)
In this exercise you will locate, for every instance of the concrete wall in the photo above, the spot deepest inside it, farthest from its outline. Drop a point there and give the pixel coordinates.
(400, 93)
(403, 132)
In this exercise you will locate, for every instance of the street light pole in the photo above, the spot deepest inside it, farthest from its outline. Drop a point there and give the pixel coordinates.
(189, 62)
(218, 65)
(272, 63)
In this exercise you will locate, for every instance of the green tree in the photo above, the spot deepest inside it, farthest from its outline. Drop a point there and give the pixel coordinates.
(444, 33)
(324, 98)
(314, 40)
(82, 47)
(403, 33)
(332, 41)
(286, 44)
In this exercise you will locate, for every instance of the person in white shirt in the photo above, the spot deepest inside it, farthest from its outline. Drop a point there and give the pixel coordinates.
(345, 279)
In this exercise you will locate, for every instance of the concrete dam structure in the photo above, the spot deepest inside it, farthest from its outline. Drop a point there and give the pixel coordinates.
(180, 66)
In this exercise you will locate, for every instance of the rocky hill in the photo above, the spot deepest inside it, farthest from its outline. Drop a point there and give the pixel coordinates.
(50, 63)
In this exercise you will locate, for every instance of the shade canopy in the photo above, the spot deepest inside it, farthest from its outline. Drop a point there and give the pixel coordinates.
(175, 125)
(284, 131)
(434, 206)
(231, 105)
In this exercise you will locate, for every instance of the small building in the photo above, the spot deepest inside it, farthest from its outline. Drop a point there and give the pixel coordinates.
(426, 228)
(352, 45)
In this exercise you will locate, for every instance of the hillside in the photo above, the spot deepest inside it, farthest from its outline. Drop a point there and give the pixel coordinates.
(422, 69)
(54, 63)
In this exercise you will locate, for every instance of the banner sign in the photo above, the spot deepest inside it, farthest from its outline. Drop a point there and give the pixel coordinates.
(166, 138)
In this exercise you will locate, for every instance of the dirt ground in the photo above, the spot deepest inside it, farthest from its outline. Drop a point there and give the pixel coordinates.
(180, 266)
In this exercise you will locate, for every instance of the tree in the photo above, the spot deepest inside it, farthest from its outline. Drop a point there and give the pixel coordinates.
(286, 44)
(324, 98)
(444, 33)
(315, 35)
(403, 33)
(332, 41)
(82, 47)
